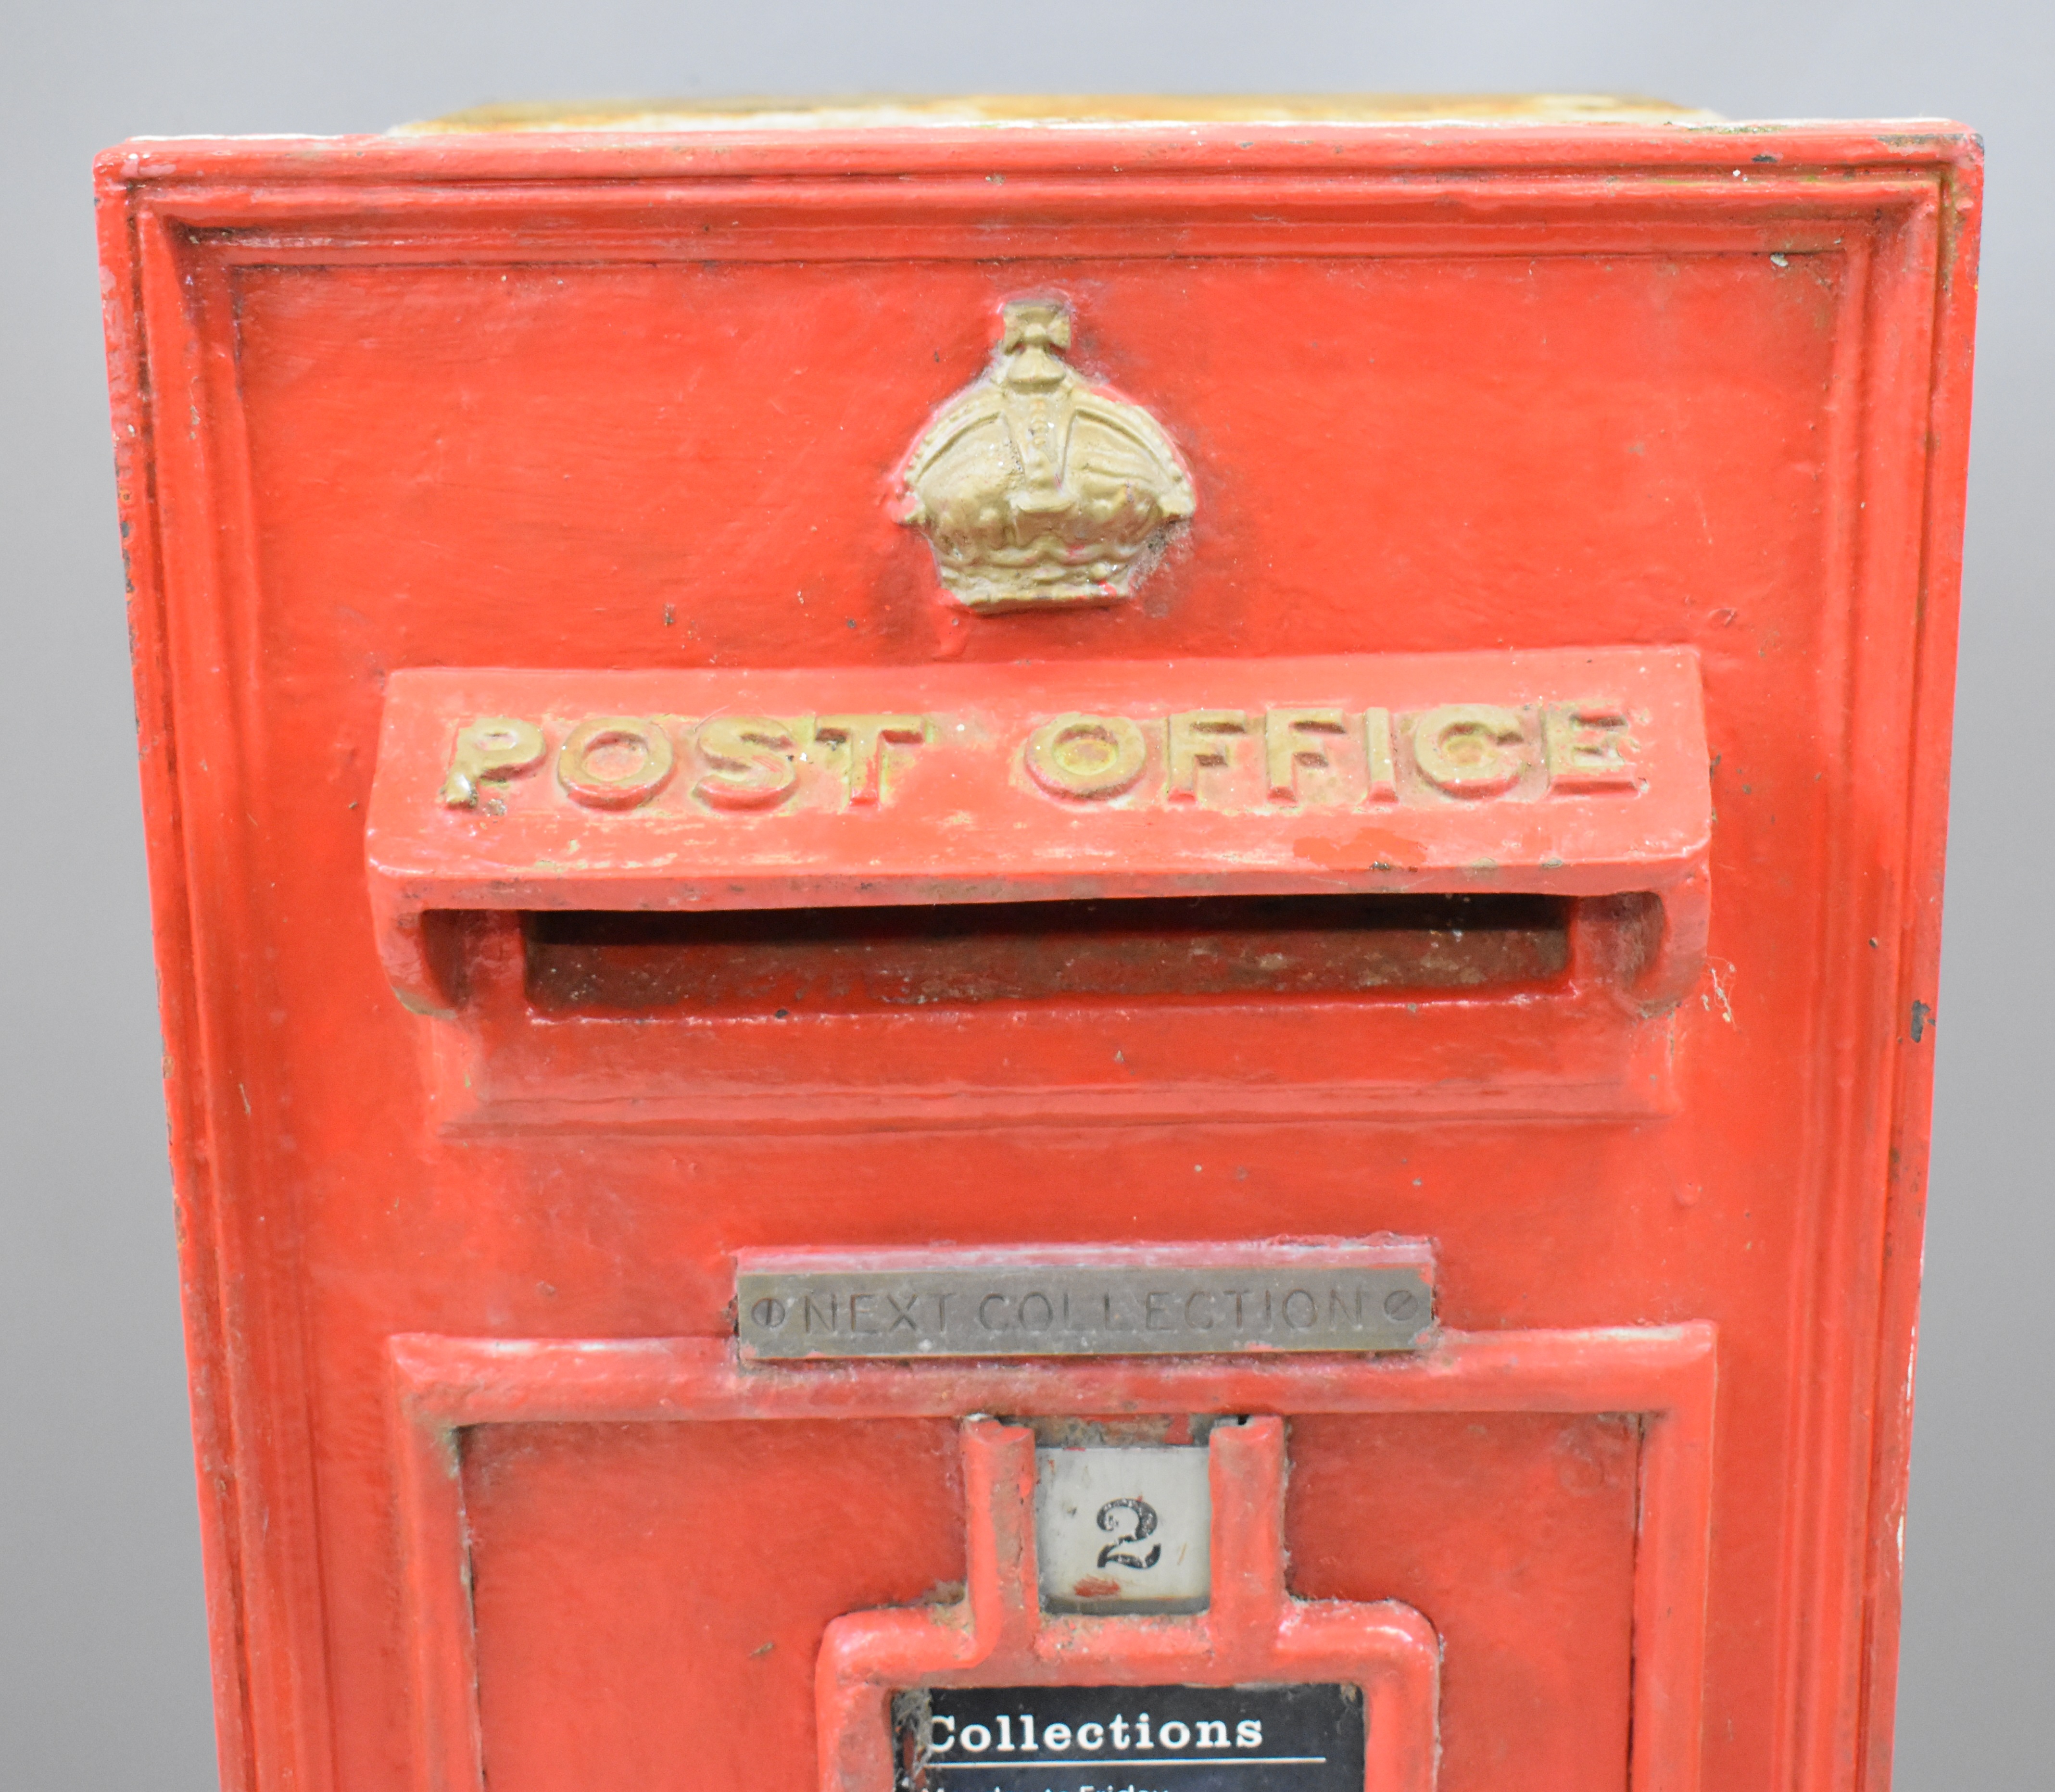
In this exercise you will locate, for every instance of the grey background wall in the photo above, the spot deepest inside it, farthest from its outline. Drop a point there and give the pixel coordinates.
(103, 1675)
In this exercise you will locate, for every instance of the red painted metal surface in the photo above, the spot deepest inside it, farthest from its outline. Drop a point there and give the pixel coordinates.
(414, 435)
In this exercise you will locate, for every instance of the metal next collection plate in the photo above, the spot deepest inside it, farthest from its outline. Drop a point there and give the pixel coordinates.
(1285, 1299)
(1130, 1738)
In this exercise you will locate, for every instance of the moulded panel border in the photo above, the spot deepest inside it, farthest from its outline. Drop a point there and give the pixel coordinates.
(1901, 203)
(1666, 1375)
(1067, 220)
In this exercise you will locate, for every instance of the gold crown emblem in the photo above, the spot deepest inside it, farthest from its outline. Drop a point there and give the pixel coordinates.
(1034, 490)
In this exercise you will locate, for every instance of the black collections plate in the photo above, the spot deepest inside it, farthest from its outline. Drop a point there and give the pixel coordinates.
(1130, 1738)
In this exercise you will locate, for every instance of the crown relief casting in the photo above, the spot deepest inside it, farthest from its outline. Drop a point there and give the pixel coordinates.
(1034, 490)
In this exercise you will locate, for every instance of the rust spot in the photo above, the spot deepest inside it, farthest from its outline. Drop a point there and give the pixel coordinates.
(1095, 1586)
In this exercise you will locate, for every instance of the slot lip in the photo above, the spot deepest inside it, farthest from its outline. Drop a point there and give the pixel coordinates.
(1582, 1047)
(1575, 1052)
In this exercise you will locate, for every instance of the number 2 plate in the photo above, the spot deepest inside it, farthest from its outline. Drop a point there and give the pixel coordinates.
(1123, 1529)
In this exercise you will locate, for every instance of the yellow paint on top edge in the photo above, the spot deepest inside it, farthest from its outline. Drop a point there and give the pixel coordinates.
(889, 110)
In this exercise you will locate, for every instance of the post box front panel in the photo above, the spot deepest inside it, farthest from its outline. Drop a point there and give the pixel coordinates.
(524, 535)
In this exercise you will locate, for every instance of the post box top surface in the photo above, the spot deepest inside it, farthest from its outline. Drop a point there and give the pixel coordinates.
(875, 111)
(1229, 132)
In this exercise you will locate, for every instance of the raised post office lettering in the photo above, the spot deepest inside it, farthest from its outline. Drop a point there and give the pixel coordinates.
(490, 749)
(1379, 777)
(752, 763)
(1291, 744)
(1200, 739)
(750, 758)
(615, 762)
(1580, 747)
(1470, 750)
(863, 739)
(1087, 758)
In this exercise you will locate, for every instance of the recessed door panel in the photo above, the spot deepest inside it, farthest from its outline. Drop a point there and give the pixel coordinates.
(1514, 1533)
(650, 1598)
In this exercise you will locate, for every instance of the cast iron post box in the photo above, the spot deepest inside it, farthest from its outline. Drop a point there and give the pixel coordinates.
(1003, 958)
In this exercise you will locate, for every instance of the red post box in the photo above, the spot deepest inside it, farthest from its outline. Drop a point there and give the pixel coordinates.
(1003, 957)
